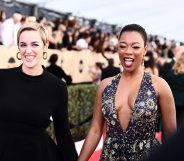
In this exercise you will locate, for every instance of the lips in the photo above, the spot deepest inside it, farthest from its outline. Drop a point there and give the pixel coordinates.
(128, 62)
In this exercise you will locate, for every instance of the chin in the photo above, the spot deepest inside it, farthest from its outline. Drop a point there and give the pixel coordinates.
(29, 65)
(129, 69)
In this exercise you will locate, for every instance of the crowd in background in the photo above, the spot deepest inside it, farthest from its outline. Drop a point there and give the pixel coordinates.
(164, 58)
(68, 34)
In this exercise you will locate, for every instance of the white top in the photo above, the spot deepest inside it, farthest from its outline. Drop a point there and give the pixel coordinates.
(9, 32)
(82, 44)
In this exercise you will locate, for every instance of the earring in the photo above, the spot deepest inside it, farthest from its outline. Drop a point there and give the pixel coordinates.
(44, 55)
(19, 58)
(142, 61)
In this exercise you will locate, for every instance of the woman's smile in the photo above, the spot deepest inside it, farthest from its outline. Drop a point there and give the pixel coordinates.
(128, 62)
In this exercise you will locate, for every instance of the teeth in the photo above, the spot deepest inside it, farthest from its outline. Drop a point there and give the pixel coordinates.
(128, 59)
(29, 57)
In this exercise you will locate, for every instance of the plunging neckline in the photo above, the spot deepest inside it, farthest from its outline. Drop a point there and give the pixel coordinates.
(133, 109)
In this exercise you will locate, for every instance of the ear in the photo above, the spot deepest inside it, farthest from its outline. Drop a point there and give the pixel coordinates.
(146, 49)
(46, 46)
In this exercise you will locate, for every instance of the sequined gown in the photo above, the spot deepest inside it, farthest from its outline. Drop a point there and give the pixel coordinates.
(138, 140)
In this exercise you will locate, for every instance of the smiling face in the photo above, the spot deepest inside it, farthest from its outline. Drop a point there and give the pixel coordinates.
(32, 40)
(131, 50)
(31, 48)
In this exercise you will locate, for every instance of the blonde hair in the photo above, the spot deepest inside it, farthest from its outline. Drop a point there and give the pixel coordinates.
(34, 26)
(178, 67)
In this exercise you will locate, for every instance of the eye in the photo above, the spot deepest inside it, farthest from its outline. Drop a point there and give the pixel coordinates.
(22, 45)
(122, 46)
(35, 45)
(136, 47)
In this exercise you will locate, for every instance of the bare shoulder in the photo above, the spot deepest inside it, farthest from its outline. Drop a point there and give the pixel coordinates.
(104, 83)
(159, 84)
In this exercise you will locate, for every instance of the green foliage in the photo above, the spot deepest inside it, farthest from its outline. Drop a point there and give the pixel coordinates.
(80, 107)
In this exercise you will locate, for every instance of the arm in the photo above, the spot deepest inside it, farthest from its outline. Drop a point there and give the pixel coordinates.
(167, 106)
(67, 78)
(96, 129)
(95, 75)
(52, 39)
(65, 143)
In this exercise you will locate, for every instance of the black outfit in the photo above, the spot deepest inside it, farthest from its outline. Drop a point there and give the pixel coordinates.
(59, 72)
(163, 70)
(26, 104)
(67, 43)
(171, 150)
(109, 71)
(176, 82)
(54, 46)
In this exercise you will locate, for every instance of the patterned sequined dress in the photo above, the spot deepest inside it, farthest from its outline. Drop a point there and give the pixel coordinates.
(138, 140)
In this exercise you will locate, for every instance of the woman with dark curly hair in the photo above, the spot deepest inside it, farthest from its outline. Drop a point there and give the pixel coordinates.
(175, 78)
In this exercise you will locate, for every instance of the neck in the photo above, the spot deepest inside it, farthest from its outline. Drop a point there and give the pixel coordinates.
(32, 71)
(133, 74)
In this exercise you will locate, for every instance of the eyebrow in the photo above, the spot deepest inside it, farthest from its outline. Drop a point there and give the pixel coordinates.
(122, 42)
(31, 42)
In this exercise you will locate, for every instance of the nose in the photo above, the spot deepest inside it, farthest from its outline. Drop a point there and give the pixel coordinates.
(28, 50)
(128, 50)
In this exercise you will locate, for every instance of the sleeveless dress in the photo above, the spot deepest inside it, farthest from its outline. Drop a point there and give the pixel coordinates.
(138, 140)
